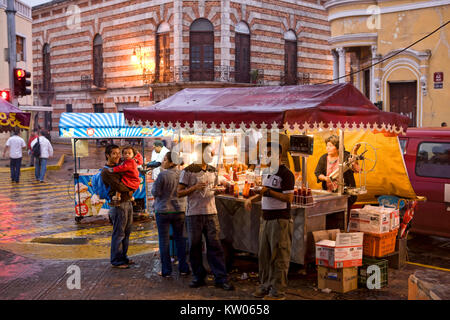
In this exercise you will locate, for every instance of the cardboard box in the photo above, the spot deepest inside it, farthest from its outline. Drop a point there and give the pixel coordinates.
(339, 280)
(374, 219)
(338, 250)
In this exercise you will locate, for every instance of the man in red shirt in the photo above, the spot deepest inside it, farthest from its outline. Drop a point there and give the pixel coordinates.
(33, 136)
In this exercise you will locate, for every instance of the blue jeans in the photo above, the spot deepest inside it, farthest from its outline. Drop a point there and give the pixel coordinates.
(164, 221)
(40, 166)
(14, 166)
(208, 225)
(122, 219)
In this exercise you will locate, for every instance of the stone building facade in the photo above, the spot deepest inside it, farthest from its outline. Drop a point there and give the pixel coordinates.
(107, 55)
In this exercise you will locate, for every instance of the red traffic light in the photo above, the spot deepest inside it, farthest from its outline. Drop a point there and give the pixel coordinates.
(20, 73)
(5, 95)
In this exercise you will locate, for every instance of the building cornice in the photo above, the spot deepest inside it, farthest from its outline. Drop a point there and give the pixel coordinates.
(389, 9)
(368, 37)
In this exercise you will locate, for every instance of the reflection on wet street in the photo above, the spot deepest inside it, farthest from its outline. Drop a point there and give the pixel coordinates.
(31, 211)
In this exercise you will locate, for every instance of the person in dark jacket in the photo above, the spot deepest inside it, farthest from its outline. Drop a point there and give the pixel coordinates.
(329, 162)
(170, 211)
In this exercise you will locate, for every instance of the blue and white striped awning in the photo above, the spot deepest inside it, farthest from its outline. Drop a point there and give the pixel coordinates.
(103, 125)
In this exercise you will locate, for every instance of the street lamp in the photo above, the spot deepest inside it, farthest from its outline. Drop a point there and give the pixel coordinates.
(142, 58)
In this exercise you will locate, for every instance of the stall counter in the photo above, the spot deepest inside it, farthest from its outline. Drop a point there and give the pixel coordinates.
(240, 227)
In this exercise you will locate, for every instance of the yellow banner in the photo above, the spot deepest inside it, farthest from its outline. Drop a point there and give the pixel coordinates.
(389, 176)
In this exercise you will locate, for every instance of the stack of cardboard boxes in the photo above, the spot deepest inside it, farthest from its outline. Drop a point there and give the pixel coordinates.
(338, 256)
(372, 219)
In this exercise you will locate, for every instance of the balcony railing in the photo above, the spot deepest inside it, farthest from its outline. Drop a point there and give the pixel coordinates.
(87, 83)
(225, 74)
(43, 89)
(301, 79)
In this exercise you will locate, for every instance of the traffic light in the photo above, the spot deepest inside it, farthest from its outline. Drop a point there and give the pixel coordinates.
(21, 83)
(5, 95)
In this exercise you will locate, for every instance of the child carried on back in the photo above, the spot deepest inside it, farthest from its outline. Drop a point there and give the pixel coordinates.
(129, 170)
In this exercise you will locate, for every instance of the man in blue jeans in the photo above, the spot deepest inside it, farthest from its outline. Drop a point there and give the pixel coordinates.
(121, 216)
(15, 144)
(40, 166)
(201, 219)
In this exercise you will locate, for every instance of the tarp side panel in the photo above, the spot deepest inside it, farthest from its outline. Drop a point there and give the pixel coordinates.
(389, 177)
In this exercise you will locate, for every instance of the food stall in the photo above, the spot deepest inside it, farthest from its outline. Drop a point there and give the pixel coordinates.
(279, 114)
(80, 127)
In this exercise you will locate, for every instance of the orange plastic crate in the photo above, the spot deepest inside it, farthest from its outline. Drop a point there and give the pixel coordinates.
(379, 245)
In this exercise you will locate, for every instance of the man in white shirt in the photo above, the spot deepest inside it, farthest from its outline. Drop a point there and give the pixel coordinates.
(15, 144)
(40, 165)
(158, 154)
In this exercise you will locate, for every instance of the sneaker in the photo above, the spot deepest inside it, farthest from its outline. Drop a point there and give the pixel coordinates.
(197, 283)
(225, 286)
(185, 273)
(260, 293)
(275, 296)
(164, 275)
(121, 266)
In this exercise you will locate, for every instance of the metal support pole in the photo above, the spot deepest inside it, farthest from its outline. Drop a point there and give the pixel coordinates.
(76, 175)
(12, 59)
(341, 172)
(304, 172)
(145, 173)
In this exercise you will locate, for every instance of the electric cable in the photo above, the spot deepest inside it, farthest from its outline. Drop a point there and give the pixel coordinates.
(388, 57)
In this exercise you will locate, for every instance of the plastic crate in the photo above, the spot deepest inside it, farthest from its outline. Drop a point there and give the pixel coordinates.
(379, 245)
(362, 271)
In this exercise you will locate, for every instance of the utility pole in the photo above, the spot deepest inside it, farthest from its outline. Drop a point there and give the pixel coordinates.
(12, 55)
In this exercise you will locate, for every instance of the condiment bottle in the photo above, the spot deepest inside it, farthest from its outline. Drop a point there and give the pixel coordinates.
(246, 191)
(236, 190)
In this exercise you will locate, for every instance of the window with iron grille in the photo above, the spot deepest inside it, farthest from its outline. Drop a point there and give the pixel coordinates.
(162, 65)
(47, 76)
(201, 44)
(242, 53)
(98, 61)
(98, 108)
(69, 107)
(20, 48)
(290, 58)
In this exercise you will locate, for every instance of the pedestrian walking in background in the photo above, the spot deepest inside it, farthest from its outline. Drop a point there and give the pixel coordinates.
(33, 136)
(120, 215)
(158, 154)
(41, 157)
(201, 219)
(170, 212)
(14, 144)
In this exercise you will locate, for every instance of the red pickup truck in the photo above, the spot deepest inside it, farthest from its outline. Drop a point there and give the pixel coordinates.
(426, 152)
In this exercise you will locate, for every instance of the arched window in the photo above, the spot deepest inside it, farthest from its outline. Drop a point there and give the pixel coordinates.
(201, 53)
(162, 53)
(242, 53)
(290, 58)
(47, 75)
(98, 61)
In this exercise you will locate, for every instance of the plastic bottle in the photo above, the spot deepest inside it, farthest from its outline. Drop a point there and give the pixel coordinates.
(246, 192)
(236, 190)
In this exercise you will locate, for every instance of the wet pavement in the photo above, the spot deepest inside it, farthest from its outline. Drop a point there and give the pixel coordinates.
(39, 240)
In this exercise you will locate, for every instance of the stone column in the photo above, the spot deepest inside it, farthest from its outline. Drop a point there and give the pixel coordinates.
(177, 34)
(225, 33)
(335, 66)
(341, 52)
(373, 95)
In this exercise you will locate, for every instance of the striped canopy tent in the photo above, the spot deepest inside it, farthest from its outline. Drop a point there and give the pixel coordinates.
(104, 126)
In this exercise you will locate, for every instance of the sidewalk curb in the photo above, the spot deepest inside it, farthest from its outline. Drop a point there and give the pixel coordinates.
(49, 167)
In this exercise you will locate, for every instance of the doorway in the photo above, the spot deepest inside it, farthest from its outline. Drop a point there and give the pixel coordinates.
(403, 100)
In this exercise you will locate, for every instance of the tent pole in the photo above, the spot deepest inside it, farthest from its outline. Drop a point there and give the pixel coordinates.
(76, 175)
(145, 173)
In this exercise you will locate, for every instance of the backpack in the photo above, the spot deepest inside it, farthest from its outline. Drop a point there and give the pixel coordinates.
(99, 187)
(36, 150)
